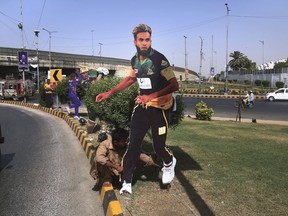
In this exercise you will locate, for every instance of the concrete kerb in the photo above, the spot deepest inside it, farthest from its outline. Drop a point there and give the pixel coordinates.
(109, 200)
(256, 97)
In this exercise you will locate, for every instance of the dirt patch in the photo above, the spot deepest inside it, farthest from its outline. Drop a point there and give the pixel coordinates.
(150, 198)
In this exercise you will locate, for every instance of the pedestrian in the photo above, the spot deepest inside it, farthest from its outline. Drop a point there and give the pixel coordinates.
(106, 166)
(75, 101)
(157, 82)
(48, 94)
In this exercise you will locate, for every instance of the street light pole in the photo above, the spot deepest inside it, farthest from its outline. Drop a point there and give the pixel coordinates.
(185, 60)
(262, 42)
(200, 67)
(37, 36)
(92, 31)
(100, 53)
(227, 31)
(263, 70)
(50, 36)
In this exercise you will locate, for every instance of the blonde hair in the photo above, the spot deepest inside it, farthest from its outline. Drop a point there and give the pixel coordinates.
(141, 28)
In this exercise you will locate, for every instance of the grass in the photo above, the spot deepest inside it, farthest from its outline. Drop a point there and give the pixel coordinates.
(223, 168)
(240, 165)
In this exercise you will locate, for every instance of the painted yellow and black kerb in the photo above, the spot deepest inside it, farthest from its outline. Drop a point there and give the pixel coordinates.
(109, 200)
(110, 203)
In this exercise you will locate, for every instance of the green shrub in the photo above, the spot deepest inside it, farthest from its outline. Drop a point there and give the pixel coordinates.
(202, 112)
(258, 82)
(265, 83)
(62, 91)
(279, 84)
(42, 95)
(247, 82)
(178, 115)
(117, 109)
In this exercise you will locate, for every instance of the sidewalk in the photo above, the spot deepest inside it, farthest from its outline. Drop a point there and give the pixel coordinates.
(259, 121)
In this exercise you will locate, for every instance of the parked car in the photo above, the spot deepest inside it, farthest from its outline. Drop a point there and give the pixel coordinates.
(280, 94)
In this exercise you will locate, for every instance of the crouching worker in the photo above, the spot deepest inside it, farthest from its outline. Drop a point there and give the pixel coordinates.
(107, 162)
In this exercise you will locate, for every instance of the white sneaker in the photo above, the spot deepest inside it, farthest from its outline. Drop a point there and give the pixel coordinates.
(126, 188)
(168, 172)
(68, 110)
(76, 117)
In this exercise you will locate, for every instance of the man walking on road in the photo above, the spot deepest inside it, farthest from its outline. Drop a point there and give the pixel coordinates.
(157, 82)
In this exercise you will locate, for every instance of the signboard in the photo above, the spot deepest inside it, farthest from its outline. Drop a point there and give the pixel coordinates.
(23, 61)
(212, 71)
(55, 75)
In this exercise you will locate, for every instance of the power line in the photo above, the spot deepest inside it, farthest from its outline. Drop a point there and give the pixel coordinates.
(41, 14)
(11, 18)
(261, 17)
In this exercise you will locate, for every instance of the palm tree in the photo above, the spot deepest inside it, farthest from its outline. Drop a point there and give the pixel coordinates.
(239, 60)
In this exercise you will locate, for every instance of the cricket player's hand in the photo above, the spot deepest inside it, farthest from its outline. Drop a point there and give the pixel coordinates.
(102, 96)
(142, 99)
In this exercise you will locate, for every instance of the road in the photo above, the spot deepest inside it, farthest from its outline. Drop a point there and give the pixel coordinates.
(224, 108)
(264, 110)
(44, 170)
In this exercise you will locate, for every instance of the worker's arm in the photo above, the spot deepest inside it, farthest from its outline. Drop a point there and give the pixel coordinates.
(115, 166)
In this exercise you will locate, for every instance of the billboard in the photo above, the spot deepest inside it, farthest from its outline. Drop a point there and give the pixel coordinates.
(23, 61)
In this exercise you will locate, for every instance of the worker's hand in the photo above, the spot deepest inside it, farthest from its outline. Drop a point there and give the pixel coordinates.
(119, 169)
(102, 96)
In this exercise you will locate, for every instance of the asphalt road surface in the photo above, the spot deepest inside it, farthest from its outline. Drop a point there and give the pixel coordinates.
(44, 170)
(264, 110)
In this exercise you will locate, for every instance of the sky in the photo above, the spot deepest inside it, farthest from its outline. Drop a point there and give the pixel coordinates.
(257, 28)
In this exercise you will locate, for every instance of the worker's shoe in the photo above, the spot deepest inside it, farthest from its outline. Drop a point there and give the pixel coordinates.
(126, 188)
(168, 171)
(76, 117)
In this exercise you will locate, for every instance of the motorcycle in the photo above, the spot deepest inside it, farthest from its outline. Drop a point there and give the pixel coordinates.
(248, 104)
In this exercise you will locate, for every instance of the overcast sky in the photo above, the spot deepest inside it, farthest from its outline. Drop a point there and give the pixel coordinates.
(82, 25)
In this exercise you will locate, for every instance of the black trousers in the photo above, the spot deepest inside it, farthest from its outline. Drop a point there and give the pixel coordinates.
(141, 121)
(49, 100)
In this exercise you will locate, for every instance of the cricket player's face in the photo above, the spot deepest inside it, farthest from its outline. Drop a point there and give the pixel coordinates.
(143, 43)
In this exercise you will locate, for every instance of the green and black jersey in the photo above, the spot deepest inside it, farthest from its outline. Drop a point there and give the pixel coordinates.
(153, 75)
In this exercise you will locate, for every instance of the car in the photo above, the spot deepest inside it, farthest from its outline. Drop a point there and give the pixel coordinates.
(280, 94)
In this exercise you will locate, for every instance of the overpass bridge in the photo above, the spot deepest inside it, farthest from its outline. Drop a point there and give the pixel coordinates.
(68, 63)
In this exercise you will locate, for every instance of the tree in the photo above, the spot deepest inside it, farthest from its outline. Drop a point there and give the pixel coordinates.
(238, 60)
(241, 62)
(280, 65)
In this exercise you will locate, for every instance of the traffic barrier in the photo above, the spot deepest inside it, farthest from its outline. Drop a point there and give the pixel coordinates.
(110, 203)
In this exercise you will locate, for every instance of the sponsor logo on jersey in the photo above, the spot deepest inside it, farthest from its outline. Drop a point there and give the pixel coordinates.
(164, 63)
(150, 72)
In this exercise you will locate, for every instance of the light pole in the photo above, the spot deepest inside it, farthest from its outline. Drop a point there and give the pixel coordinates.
(50, 33)
(262, 42)
(263, 70)
(227, 31)
(37, 36)
(100, 53)
(200, 67)
(92, 31)
(185, 60)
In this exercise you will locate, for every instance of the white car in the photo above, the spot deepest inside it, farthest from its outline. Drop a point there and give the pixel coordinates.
(280, 94)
